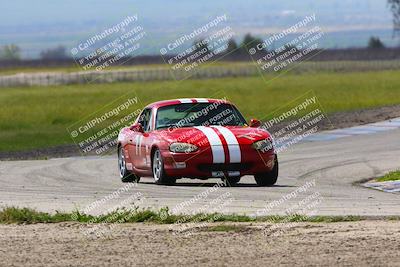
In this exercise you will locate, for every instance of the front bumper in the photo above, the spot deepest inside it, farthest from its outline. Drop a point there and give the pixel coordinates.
(200, 164)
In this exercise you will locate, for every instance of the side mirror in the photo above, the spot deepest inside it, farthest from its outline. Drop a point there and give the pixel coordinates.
(137, 127)
(255, 123)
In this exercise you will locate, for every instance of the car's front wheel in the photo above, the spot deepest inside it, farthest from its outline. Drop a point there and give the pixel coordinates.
(160, 177)
(268, 178)
(124, 173)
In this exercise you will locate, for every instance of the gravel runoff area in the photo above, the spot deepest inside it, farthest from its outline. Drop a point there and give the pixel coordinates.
(337, 120)
(361, 243)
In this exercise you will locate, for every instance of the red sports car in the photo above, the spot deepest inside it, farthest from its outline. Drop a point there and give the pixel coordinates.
(196, 138)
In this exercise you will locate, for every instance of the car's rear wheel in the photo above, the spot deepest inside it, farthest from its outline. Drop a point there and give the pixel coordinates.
(160, 177)
(124, 173)
(268, 178)
(231, 181)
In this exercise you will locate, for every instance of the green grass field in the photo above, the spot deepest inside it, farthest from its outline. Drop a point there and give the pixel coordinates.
(35, 117)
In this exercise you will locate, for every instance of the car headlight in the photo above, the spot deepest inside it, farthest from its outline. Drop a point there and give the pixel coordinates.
(182, 148)
(263, 145)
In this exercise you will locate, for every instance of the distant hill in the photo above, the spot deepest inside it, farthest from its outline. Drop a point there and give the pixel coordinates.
(40, 24)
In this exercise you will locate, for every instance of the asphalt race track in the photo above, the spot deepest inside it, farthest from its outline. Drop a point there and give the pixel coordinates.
(335, 166)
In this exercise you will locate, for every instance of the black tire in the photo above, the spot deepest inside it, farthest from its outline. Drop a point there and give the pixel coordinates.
(268, 178)
(157, 166)
(126, 175)
(231, 181)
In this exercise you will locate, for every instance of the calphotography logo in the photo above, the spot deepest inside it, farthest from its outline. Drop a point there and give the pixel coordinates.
(297, 43)
(298, 205)
(111, 210)
(204, 44)
(297, 121)
(97, 133)
(112, 46)
(200, 210)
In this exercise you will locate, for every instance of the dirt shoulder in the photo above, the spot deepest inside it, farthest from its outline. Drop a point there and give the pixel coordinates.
(363, 116)
(336, 121)
(363, 243)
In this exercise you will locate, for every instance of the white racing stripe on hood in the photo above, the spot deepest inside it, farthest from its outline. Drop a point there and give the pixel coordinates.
(235, 155)
(215, 144)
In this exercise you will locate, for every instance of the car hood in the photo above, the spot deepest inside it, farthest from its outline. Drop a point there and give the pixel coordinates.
(214, 135)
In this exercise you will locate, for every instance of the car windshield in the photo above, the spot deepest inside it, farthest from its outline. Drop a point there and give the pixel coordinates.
(198, 114)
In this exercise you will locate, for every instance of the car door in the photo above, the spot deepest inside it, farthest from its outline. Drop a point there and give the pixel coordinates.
(141, 140)
(146, 141)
